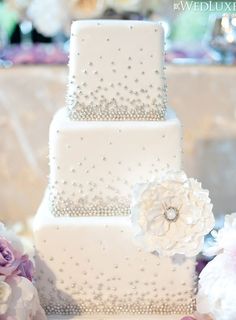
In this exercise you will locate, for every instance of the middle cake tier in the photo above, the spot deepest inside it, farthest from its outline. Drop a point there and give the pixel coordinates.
(95, 164)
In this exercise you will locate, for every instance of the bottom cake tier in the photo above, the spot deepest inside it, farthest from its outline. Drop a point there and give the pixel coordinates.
(92, 265)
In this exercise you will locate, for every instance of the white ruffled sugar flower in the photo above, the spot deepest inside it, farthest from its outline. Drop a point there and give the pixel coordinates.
(5, 293)
(217, 283)
(172, 214)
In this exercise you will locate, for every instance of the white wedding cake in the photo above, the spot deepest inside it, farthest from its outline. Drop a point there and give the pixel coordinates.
(110, 238)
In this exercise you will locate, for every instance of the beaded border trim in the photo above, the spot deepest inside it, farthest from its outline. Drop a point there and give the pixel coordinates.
(67, 208)
(65, 211)
(104, 110)
(80, 115)
(135, 309)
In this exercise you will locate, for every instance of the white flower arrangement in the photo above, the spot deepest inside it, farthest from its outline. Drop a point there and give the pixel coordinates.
(217, 283)
(53, 16)
(5, 293)
(172, 214)
(18, 296)
(19, 6)
(23, 302)
(50, 17)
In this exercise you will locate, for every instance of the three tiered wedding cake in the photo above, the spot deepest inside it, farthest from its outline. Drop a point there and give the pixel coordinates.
(120, 224)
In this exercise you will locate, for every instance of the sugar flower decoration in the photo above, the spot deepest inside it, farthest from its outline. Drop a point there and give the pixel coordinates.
(225, 238)
(172, 214)
(18, 296)
(217, 283)
(24, 301)
(13, 261)
(5, 292)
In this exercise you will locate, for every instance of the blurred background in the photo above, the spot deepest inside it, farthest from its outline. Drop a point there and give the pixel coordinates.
(201, 75)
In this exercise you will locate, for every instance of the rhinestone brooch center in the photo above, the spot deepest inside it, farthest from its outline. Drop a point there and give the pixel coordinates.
(171, 214)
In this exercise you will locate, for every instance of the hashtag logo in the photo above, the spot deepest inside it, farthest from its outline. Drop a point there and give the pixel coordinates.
(177, 6)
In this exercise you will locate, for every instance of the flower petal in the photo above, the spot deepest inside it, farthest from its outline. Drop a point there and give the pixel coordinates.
(183, 236)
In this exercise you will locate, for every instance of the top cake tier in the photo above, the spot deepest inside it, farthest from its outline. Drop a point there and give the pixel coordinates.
(116, 71)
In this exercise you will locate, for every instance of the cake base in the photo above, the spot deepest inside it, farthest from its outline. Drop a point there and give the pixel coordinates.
(92, 266)
(152, 317)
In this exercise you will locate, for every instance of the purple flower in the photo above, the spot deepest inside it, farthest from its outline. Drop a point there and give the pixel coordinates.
(13, 263)
(25, 268)
(9, 258)
(6, 253)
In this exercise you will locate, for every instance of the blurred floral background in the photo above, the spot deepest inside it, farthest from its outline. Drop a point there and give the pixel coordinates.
(189, 32)
(201, 74)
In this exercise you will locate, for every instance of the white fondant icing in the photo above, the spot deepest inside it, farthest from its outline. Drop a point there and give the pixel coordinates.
(97, 163)
(116, 67)
(91, 264)
(93, 261)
